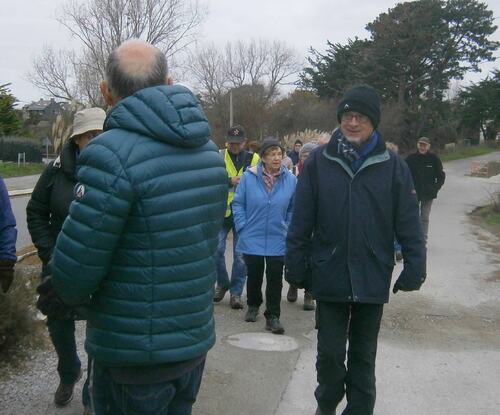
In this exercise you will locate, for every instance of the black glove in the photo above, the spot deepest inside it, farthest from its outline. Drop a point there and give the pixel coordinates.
(6, 274)
(49, 302)
(399, 286)
(304, 282)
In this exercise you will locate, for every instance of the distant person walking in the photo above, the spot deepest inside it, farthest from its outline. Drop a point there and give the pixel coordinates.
(292, 293)
(352, 197)
(47, 209)
(294, 153)
(236, 160)
(8, 236)
(262, 210)
(428, 176)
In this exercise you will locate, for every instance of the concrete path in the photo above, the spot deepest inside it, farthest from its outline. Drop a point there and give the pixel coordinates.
(20, 183)
(21, 186)
(439, 349)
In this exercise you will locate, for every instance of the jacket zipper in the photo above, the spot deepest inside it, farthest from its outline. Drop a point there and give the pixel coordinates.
(349, 240)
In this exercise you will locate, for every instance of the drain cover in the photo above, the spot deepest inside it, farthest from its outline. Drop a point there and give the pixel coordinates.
(263, 342)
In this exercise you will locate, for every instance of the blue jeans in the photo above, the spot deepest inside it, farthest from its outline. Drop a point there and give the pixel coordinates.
(239, 271)
(174, 397)
(62, 334)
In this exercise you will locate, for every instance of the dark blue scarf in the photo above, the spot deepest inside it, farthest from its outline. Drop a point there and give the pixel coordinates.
(355, 156)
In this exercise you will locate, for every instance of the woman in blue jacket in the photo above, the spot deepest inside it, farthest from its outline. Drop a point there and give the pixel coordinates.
(262, 210)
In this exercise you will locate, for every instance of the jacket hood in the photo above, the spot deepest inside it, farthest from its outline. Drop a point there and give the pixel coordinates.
(171, 114)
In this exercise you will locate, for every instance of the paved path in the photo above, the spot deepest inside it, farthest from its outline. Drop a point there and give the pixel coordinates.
(23, 182)
(439, 349)
(19, 206)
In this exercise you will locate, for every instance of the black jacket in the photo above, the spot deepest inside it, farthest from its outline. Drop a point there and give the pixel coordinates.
(343, 227)
(50, 201)
(294, 156)
(428, 174)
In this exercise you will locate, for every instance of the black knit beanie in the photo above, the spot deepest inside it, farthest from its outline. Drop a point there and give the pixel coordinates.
(363, 99)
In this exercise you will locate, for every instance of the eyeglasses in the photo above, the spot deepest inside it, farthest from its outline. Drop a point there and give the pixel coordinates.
(351, 115)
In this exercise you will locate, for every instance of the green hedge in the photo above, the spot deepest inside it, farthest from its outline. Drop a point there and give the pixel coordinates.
(11, 146)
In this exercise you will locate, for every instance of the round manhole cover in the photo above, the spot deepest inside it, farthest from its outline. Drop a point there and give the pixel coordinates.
(263, 341)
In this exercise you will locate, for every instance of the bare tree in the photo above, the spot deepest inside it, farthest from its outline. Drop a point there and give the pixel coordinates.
(243, 63)
(100, 26)
(207, 69)
(54, 73)
(281, 64)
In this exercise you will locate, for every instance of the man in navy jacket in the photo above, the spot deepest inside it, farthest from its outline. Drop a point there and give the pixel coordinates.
(352, 198)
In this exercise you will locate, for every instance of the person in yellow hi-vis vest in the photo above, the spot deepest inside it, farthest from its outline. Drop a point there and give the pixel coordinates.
(237, 159)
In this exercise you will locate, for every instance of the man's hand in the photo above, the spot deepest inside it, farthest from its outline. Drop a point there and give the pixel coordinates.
(6, 274)
(49, 302)
(303, 281)
(399, 286)
(235, 181)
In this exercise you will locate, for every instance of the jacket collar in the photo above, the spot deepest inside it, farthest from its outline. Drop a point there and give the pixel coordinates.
(377, 155)
(257, 169)
(68, 159)
(332, 146)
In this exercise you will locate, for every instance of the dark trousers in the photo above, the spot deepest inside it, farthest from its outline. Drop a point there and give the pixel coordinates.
(174, 397)
(274, 282)
(62, 334)
(337, 323)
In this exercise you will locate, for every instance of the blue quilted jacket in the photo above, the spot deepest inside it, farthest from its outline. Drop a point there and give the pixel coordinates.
(262, 218)
(140, 238)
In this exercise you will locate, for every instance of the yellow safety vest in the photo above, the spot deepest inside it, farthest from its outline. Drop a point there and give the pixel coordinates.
(231, 172)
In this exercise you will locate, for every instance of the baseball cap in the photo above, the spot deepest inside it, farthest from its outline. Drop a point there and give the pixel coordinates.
(235, 135)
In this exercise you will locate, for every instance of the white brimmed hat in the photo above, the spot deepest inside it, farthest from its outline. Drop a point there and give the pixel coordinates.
(88, 120)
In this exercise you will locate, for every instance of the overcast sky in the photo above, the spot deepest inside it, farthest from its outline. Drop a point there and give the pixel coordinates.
(27, 25)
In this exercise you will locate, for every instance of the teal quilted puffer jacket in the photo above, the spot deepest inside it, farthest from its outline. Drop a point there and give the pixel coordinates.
(140, 238)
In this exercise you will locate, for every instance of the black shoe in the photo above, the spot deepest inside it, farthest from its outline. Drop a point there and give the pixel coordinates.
(274, 326)
(64, 392)
(251, 315)
(291, 295)
(219, 294)
(235, 302)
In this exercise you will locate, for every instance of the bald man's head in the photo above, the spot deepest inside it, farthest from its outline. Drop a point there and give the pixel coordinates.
(133, 66)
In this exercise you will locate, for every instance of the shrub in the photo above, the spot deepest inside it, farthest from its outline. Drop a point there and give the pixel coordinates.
(18, 314)
(11, 146)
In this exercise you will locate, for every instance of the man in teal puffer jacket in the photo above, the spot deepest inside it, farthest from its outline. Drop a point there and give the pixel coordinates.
(139, 242)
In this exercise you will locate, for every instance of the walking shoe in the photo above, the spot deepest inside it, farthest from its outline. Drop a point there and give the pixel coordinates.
(235, 302)
(291, 295)
(251, 315)
(399, 256)
(274, 326)
(308, 302)
(219, 294)
(64, 392)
